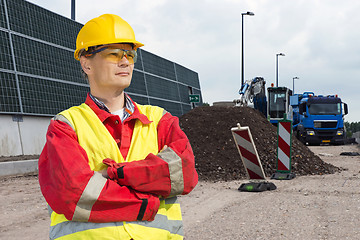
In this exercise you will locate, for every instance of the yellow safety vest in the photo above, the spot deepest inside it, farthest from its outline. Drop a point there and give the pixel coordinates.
(99, 144)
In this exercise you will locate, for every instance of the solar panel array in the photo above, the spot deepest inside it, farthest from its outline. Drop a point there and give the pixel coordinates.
(39, 75)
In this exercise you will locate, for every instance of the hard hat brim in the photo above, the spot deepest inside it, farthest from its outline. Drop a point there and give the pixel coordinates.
(94, 44)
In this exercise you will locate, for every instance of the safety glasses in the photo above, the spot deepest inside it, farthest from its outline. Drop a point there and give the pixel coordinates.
(116, 54)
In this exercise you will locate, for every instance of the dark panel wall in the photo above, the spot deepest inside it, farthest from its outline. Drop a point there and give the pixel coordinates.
(39, 75)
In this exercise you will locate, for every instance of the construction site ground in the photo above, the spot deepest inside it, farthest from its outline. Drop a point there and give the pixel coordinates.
(323, 206)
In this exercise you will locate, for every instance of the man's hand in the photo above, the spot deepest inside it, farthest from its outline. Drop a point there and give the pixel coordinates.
(113, 170)
(104, 173)
(112, 163)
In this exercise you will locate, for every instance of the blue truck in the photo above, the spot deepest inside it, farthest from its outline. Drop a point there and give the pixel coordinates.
(318, 119)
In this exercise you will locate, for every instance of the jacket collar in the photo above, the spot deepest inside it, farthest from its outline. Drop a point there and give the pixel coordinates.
(103, 112)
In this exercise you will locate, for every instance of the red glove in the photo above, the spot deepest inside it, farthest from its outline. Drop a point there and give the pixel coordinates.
(115, 170)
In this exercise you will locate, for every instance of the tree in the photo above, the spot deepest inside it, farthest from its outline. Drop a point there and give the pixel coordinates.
(351, 128)
(205, 104)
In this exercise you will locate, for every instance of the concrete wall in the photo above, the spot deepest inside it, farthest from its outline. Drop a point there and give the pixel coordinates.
(9, 137)
(22, 136)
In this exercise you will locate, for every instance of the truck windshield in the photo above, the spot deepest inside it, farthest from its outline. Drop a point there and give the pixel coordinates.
(277, 101)
(325, 108)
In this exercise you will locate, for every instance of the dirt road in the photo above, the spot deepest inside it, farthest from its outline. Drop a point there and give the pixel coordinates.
(307, 207)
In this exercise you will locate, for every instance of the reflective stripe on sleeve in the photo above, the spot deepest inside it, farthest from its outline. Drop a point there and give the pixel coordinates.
(164, 112)
(63, 119)
(175, 169)
(88, 197)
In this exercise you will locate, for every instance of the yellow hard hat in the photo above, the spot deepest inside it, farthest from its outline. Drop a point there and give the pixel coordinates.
(106, 29)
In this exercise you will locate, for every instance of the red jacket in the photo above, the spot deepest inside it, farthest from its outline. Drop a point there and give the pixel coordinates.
(64, 170)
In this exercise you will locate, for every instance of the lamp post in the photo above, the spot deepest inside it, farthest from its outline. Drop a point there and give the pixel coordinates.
(293, 84)
(242, 47)
(277, 67)
(73, 10)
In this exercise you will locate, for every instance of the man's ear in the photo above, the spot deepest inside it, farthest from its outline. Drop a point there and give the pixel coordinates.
(85, 64)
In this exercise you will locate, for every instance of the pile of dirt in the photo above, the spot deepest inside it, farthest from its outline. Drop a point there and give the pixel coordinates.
(216, 155)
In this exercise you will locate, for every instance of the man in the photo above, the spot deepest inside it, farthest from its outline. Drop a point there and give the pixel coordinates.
(111, 168)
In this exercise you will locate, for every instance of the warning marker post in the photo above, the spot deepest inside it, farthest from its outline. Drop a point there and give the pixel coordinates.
(283, 164)
(250, 158)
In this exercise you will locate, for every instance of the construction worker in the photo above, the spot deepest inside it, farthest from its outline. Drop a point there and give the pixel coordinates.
(112, 168)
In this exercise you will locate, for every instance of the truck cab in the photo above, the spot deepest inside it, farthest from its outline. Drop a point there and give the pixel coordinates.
(319, 119)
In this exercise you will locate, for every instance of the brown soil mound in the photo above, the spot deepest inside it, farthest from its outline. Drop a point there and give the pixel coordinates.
(216, 155)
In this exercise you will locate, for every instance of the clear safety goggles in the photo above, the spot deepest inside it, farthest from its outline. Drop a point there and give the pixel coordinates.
(116, 54)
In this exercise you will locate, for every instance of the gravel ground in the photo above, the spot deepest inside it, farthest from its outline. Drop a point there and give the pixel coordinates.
(307, 207)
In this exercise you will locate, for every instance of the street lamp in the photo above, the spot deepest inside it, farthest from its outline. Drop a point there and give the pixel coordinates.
(73, 10)
(293, 84)
(277, 67)
(242, 47)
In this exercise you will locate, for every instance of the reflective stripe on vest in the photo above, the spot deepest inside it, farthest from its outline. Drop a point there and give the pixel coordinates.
(92, 134)
(160, 228)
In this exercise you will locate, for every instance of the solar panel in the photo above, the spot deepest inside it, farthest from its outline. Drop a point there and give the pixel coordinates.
(39, 75)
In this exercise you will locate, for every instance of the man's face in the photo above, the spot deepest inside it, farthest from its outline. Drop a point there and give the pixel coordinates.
(106, 71)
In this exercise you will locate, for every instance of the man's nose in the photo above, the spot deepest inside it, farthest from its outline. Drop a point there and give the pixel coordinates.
(123, 61)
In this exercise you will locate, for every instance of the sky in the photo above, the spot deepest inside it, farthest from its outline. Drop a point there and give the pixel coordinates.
(320, 40)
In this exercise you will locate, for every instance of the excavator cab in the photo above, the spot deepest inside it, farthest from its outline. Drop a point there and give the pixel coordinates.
(253, 93)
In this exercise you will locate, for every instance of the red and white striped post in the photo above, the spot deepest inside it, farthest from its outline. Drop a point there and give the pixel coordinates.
(248, 153)
(284, 151)
(250, 158)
